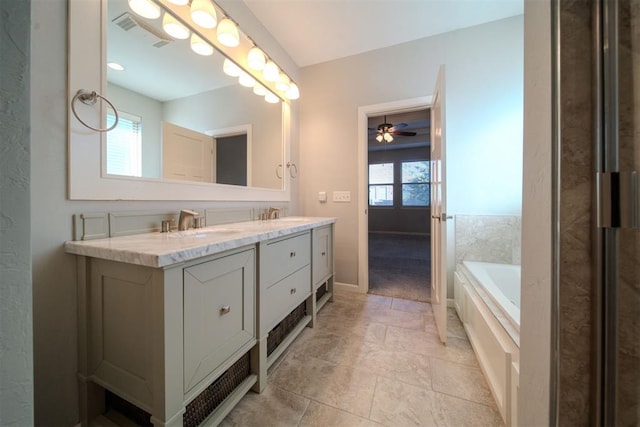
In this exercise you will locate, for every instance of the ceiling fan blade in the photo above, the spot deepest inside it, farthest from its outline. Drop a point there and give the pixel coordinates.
(403, 133)
(399, 126)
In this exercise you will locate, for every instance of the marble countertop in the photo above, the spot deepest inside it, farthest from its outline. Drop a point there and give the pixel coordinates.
(165, 249)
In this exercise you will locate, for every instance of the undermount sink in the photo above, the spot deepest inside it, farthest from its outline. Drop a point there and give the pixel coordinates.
(203, 232)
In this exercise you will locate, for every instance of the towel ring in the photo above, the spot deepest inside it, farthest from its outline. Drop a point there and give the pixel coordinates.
(292, 167)
(90, 98)
(277, 173)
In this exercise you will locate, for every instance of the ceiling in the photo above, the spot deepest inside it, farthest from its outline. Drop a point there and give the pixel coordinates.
(315, 31)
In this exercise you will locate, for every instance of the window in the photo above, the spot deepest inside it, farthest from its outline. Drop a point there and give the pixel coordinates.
(124, 145)
(415, 183)
(381, 184)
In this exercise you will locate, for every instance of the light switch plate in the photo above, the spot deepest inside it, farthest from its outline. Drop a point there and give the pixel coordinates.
(322, 196)
(342, 196)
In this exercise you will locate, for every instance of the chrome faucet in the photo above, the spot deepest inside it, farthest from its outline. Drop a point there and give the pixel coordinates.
(274, 213)
(185, 219)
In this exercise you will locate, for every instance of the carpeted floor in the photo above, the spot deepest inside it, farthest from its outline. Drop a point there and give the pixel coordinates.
(400, 266)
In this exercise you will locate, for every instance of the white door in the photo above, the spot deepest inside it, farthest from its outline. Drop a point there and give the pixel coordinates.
(187, 154)
(438, 210)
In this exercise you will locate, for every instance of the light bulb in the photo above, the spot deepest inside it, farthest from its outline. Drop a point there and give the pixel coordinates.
(256, 59)
(230, 69)
(293, 92)
(283, 82)
(246, 80)
(203, 13)
(145, 8)
(200, 47)
(388, 137)
(115, 66)
(259, 90)
(271, 71)
(174, 28)
(228, 33)
(379, 138)
(271, 98)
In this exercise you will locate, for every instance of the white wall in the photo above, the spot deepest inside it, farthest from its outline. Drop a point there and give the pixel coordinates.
(150, 112)
(484, 66)
(54, 279)
(16, 336)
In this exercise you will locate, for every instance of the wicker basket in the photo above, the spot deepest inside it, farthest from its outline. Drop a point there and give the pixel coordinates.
(282, 329)
(207, 401)
(321, 291)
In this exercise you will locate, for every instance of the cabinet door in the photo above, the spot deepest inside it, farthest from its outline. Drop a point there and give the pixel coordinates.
(322, 266)
(219, 307)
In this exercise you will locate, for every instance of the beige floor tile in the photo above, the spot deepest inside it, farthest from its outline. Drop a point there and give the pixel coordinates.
(402, 319)
(453, 412)
(343, 387)
(317, 343)
(413, 306)
(273, 407)
(460, 381)
(364, 329)
(384, 361)
(428, 344)
(454, 325)
(398, 404)
(319, 415)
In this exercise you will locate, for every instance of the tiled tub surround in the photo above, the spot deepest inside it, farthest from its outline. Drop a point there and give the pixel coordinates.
(488, 238)
(144, 301)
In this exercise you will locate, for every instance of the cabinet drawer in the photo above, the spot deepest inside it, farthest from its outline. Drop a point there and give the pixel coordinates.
(278, 301)
(278, 259)
(322, 265)
(219, 306)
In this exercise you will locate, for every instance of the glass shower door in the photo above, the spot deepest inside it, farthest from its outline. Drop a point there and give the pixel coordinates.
(618, 213)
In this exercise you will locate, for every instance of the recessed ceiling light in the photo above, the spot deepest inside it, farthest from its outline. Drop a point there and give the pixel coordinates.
(115, 66)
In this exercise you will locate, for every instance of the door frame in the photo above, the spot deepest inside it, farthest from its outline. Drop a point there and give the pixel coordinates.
(364, 112)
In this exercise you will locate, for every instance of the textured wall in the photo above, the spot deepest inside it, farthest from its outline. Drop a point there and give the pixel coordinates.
(16, 335)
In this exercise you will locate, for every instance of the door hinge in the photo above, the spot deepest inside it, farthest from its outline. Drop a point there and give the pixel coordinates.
(617, 200)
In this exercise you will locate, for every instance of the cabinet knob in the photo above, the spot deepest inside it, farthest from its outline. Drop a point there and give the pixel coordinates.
(224, 310)
(292, 254)
(323, 253)
(293, 291)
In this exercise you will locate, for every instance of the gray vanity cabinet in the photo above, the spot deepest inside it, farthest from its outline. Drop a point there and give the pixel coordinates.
(322, 255)
(158, 337)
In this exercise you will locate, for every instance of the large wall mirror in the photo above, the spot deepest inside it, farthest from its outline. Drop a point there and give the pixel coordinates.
(186, 130)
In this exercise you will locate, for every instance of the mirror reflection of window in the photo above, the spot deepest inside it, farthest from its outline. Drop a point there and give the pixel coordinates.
(124, 145)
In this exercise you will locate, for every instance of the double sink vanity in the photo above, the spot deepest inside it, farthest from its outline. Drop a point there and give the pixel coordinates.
(182, 324)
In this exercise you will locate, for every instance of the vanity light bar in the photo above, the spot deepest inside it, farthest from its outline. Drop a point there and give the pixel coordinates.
(199, 19)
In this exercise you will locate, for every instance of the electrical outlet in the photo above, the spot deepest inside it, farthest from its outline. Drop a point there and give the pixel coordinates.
(342, 196)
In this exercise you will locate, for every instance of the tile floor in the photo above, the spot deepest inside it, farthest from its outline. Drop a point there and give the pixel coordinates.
(370, 361)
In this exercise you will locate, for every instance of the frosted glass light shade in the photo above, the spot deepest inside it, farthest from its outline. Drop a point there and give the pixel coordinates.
(256, 59)
(246, 80)
(200, 47)
(259, 90)
(204, 14)
(174, 28)
(379, 138)
(179, 2)
(145, 8)
(271, 98)
(283, 82)
(293, 92)
(271, 71)
(230, 69)
(387, 137)
(228, 33)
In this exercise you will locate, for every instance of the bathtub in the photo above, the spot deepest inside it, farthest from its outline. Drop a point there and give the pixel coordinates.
(487, 300)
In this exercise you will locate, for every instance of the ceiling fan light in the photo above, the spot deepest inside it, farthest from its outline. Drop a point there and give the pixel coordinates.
(230, 69)
(174, 28)
(246, 80)
(204, 14)
(283, 82)
(271, 98)
(379, 138)
(259, 90)
(256, 59)
(228, 33)
(200, 47)
(293, 92)
(387, 137)
(271, 71)
(145, 8)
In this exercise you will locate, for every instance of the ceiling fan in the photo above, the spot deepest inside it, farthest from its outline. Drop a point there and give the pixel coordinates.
(386, 131)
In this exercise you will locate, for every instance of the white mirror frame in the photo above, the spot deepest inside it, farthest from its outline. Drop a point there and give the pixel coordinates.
(86, 180)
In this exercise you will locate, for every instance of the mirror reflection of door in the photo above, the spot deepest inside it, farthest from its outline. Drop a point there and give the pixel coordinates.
(186, 154)
(231, 160)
